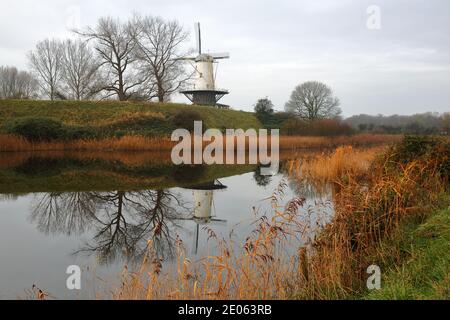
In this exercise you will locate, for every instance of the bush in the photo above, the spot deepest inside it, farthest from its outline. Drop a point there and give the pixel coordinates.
(185, 119)
(36, 129)
(274, 120)
(431, 148)
(78, 133)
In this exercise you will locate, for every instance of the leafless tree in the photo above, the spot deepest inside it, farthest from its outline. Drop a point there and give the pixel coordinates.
(158, 45)
(114, 41)
(46, 62)
(80, 70)
(15, 84)
(313, 100)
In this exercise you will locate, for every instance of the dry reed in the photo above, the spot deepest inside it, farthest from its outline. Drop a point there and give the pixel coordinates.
(370, 203)
(10, 143)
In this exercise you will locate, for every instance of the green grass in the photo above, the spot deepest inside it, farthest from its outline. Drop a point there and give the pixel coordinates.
(425, 271)
(122, 117)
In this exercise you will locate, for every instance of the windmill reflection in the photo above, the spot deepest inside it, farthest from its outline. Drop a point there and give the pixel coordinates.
(124, 223)
(203, 195)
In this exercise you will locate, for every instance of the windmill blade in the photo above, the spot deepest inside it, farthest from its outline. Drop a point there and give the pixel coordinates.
(198, 37)
(185, 59)
(219, 222)
(221, 55)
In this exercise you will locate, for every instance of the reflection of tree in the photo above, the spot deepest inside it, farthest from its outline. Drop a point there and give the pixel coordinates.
(260, 179)
(67, 213)
(124, 222)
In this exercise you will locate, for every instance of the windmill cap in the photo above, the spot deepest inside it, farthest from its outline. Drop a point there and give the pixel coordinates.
(204, 57)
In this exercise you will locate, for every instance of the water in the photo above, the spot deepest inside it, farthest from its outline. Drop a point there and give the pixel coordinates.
(100, 211)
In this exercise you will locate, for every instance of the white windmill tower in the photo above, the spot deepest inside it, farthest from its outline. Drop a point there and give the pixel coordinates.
(204, 91)
(203, 196)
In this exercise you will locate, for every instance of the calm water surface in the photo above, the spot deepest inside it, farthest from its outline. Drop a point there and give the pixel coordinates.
(54, 213)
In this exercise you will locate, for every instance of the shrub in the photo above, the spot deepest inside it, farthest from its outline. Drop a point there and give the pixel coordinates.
(36, 129)
(274, 120)
(185, 119)
(426, 147)
(78, 133)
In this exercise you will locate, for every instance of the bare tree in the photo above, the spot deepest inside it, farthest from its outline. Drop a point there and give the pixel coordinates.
(15, 84)
(80, 70)
(46, 62)
(313, 100)
(158, 45)
(114, 42)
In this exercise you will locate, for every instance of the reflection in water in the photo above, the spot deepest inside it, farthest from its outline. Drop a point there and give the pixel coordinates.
(123, 222)
(203, 203)
(71, 199)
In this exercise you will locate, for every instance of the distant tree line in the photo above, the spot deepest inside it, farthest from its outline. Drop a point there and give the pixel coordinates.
(312, 109)
(124, 60)
(422, 123)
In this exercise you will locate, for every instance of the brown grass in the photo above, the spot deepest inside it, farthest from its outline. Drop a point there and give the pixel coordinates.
(331, 166)
(139, 143)
(361, 140)
(367, 211)
(10, 143)
(261, 270)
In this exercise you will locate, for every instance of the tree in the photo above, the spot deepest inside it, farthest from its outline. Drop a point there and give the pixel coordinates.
(46, 62)
(15, 84)
(158, 45)
(264, 106)
(313, 100)
(115, 43)
(80, 70)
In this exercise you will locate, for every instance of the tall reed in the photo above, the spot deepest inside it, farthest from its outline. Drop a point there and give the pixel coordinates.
(371, 201)
(141, 143)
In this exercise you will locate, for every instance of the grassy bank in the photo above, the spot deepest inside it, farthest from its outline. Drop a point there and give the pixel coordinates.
(425, 271)
(114, 118)
(404, 185)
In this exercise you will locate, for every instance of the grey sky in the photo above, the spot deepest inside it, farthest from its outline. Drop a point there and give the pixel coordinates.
(403, 68)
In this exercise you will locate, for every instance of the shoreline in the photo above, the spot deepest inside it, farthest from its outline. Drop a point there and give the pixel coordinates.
(11, 143)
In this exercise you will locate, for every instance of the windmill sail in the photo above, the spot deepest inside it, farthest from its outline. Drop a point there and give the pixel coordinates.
(221, 55)
(198, 37)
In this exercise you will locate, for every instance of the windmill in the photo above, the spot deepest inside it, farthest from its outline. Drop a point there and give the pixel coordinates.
(203, 205)
(204, 91)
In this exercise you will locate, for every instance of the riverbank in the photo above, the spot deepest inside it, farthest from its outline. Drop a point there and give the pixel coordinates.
(373, 204)
(12, 143)
(425, 271)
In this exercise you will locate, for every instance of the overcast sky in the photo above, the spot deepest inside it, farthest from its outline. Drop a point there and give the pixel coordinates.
(403, 67)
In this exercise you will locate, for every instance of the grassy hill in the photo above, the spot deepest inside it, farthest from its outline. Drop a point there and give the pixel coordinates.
(120, 118)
